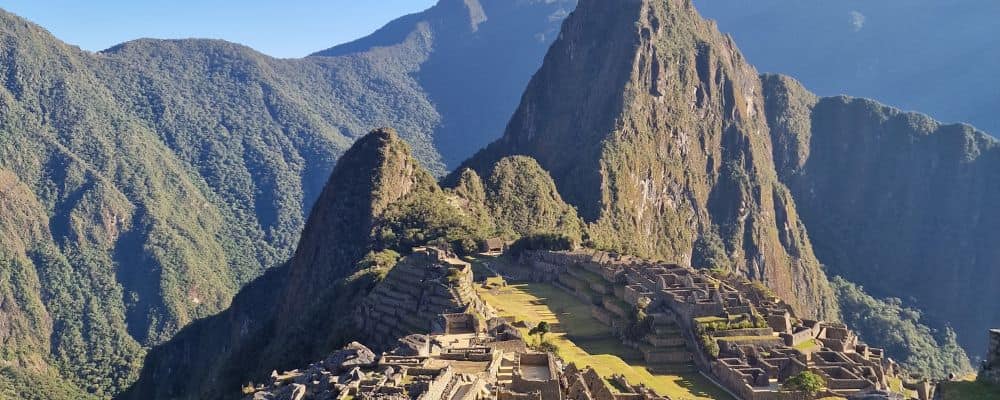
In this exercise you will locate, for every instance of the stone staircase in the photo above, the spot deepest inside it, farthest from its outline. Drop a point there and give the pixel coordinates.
(664, 349)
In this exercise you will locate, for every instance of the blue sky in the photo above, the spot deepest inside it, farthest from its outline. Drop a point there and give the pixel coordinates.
(289, 28)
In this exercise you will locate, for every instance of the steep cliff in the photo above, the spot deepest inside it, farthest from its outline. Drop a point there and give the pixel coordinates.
(895, 201)
(652, 124)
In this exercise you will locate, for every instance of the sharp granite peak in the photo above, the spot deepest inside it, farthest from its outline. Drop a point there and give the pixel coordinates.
(672, 156)
(377, 171)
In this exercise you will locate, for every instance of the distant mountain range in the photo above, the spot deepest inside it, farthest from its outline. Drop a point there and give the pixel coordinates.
(932, 56)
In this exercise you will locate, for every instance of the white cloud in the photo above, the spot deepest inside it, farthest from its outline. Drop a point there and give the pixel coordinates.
(857, 20)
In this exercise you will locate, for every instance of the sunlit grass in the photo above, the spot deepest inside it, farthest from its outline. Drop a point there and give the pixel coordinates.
(583, 340)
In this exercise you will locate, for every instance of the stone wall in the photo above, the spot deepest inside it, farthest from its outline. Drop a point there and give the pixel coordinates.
(549, 388)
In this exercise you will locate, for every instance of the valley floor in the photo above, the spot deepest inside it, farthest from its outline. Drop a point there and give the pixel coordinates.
(583, 340)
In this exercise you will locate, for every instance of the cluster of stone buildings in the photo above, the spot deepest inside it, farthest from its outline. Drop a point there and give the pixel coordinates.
(449, 346)
(748, 341)
(456, 366)
(444, 342)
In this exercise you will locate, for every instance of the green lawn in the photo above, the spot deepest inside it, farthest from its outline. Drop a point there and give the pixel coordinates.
(969, 390)
(588, 342)
(807, 345)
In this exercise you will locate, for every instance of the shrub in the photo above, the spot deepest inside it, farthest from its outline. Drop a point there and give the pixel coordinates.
(806, 381)
(543, 241)
(710, 345)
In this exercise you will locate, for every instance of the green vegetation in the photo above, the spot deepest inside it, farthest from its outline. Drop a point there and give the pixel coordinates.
(742, 321)
(541, 329)
(710, 345)
(428, 217)
(806, 381)
(905, 215)
(579, 338)
(284, 317)
(899, 330)
(542, 241)
(969, 390)
(173, 172)
(639, 325)
(524, 202)
(710, 252)
(807, 344)
(20, 384)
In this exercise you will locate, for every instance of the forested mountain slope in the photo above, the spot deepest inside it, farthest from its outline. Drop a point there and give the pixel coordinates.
(895, 201)
(171, 172)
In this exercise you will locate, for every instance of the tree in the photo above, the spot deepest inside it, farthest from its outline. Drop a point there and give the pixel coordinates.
(541, 329)
(806, 381)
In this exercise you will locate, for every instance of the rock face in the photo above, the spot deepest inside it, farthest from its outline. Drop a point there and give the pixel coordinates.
(895, 201)
(305, 308)
(665, 150)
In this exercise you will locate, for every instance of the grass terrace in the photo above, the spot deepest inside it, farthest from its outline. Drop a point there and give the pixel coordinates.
(807, 345)
(581, 339)
(968, 390)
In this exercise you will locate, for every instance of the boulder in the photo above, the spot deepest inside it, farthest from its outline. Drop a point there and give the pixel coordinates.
(351, 356)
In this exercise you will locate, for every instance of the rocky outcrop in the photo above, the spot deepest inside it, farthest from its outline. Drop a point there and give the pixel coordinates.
(895, 201)
(666, 151)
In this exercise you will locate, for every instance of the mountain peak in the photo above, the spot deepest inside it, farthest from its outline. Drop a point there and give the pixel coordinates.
(375, 172)
(665, 152)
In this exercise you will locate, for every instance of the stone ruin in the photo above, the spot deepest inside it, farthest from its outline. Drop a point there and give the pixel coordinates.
(448, 344)
(760, 342)
(455, 349)
(431, 290)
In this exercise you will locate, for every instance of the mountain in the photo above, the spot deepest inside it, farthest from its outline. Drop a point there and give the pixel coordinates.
(164, 175)
(379, 203)
(305, 303)
(665, 151)
(895, 201)
(480, 55)
(933, 56)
